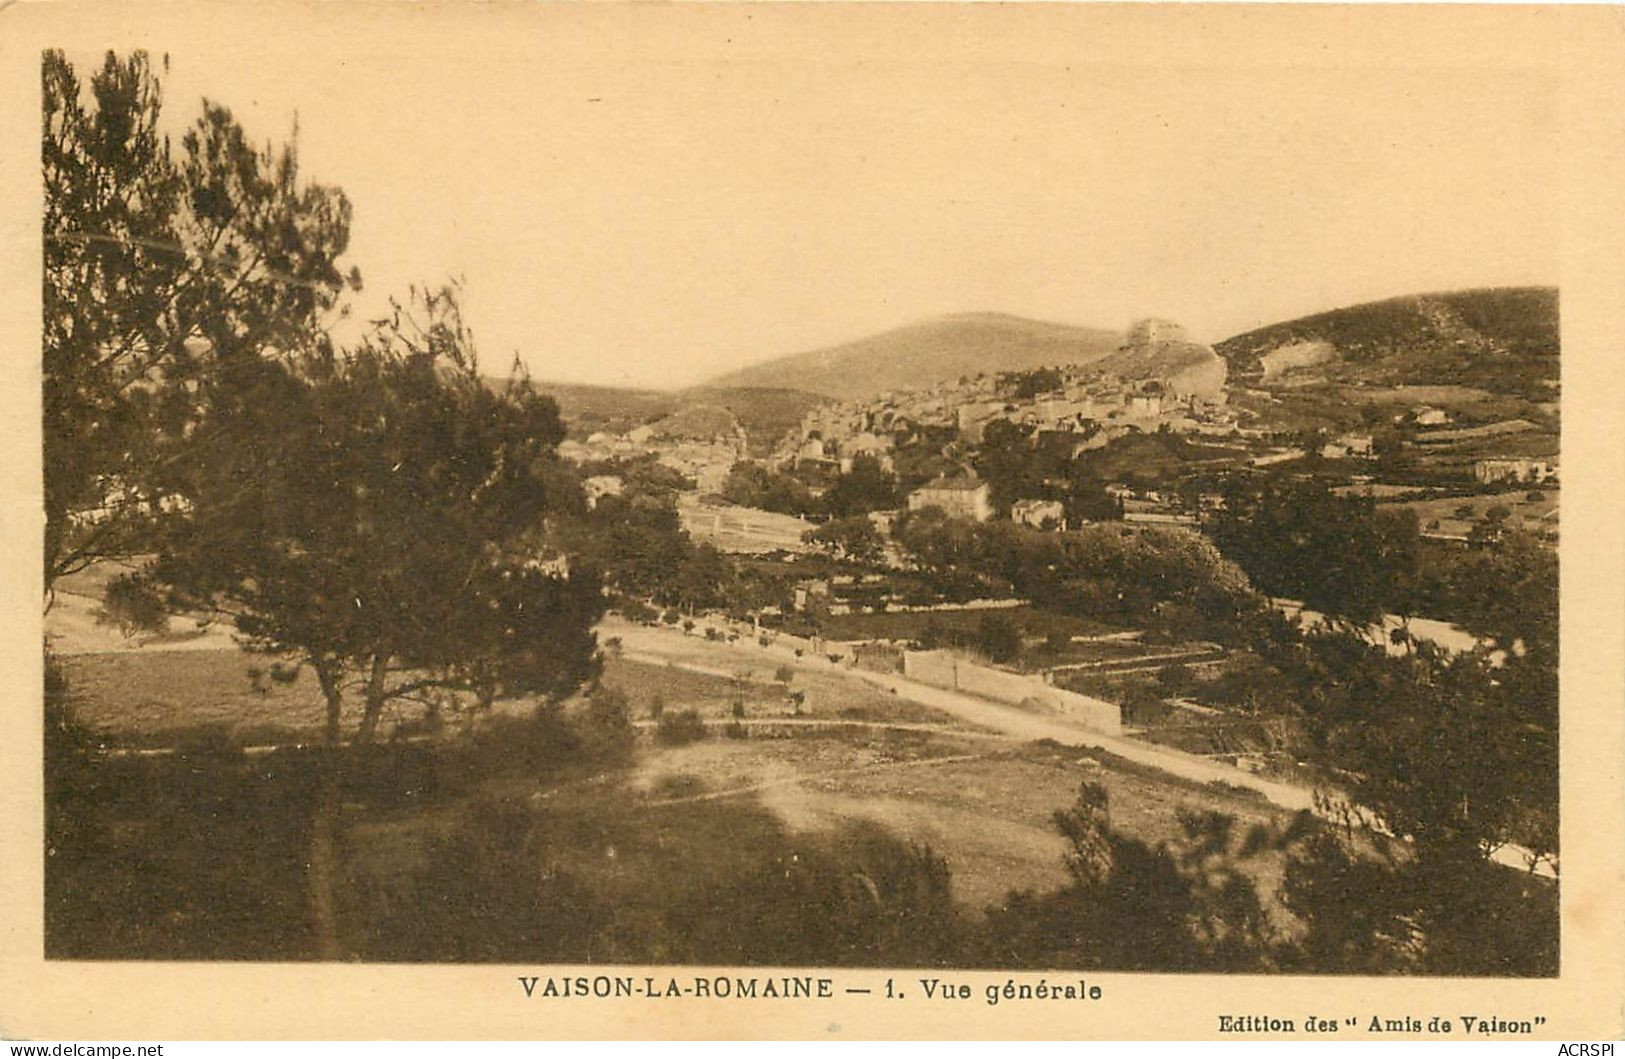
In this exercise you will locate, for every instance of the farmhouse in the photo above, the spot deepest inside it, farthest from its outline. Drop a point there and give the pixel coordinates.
(1513, 470)
(1040, 514)
(961, 497)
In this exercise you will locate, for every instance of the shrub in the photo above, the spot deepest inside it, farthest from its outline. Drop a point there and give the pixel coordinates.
(998, 637)
(1141, 705)
(734, 730)
(131, 604)
(636, 610)
(606, 727)
(784, 674)
(680, 728)
(1176, 679)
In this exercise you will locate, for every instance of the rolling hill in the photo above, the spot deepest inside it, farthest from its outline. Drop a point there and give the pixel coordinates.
(923, 354)
(1503, 340)
(765, 413)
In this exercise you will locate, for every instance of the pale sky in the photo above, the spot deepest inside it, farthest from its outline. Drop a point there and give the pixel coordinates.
(652, 199)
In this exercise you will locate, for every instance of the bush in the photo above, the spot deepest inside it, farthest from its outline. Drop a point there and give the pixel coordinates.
(999, 637)
(680, 728)
(784, 674)
(132, 605)
(1176, 679)
(1141, 705)
(734, 730)
(638, 611)
(606, 727)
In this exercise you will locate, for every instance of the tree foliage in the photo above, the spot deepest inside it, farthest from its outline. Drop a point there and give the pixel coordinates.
(1340, 555)
(161, 268)
(380, 514)
(867, 487)
(1108, 571)
(750, 484)
(1188, 905)
(854, 538)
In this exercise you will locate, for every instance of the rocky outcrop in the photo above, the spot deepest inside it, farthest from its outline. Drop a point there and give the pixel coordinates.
(1160, 350)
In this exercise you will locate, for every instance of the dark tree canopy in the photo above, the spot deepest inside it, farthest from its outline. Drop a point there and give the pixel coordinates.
(855, 538)
(382, 514)
(867, 487)
(159, 269)
(1339, 555)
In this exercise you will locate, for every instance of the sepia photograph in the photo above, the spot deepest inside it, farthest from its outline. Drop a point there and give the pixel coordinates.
(608, 492)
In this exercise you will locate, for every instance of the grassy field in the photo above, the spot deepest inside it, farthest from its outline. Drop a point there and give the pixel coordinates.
(153, 698)
(655, 837)
(986, 808)
(1517, 501)
(162, 698)
(826, 697)
(910, 625)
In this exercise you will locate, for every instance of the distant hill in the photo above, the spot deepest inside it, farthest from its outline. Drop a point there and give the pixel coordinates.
(767, 414)
(587, 409)
(1504, 340)
(923, 354)
(697, 421)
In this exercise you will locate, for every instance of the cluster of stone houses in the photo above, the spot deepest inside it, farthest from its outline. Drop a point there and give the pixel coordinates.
(705, 459)
(1515, 469)
(1088, 409)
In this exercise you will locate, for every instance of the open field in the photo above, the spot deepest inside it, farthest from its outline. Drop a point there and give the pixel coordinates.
(986, 808)
(1524, 510)
(910, 625)
(155, 698)
(713, 695)
(660, 833)
(743, 530)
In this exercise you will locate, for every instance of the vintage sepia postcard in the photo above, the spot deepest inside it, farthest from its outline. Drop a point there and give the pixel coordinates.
(813, 521)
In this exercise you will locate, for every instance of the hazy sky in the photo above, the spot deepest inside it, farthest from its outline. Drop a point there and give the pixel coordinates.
(653, 199)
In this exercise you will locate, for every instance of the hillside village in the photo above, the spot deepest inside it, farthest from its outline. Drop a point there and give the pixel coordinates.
(1156, 435)
(981, 642)
(1405, 443)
